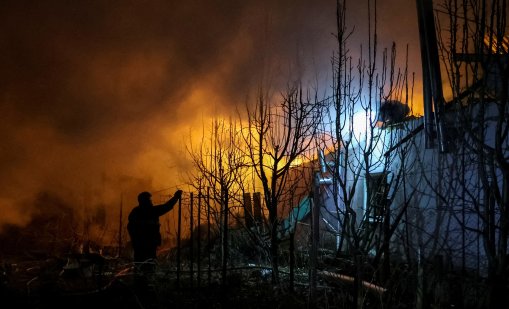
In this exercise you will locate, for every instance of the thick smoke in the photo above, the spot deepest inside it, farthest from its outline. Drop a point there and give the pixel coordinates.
(98, 97)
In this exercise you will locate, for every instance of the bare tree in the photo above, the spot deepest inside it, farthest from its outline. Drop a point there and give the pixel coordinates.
(459, 217)
(475, 52)
(277, 136)
(363, 154)
(220, 166)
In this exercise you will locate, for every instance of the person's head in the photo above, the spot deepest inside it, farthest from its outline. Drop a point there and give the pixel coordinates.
(145, 199)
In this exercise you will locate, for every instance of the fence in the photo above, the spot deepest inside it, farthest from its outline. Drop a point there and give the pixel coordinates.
(209, 241)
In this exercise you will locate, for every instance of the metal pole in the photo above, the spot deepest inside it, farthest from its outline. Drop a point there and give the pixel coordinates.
(432, 79)
(224, 201)
(191, 234)
(120, 225)
(209, 274)
(179, 226)
(426, 83)
(199, 240)
(315, 238)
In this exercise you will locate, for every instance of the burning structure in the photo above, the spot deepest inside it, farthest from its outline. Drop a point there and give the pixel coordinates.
(431, 191)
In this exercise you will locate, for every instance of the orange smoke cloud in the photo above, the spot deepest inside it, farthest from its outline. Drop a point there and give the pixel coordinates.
(98, 98)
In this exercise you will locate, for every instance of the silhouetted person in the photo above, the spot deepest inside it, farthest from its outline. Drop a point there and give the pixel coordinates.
(143, 227)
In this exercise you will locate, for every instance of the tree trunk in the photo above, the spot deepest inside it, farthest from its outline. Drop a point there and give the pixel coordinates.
(274, 246)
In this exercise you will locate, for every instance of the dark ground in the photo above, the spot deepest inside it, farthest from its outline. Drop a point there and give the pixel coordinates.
(93, 281)
(62, 283)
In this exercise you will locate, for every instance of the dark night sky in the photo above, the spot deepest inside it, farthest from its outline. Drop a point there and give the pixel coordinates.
(99, 97)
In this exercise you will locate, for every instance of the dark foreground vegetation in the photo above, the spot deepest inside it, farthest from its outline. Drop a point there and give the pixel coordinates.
(94, 281)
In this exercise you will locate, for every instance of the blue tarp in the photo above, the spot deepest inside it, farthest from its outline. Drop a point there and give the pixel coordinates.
(297, 214)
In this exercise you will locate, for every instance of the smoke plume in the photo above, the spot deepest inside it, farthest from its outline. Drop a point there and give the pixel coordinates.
(97, 98)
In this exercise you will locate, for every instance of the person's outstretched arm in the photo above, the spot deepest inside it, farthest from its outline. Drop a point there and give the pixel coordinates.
(164, 208)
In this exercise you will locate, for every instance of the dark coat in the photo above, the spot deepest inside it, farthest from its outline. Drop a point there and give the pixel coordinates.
(143, 225)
